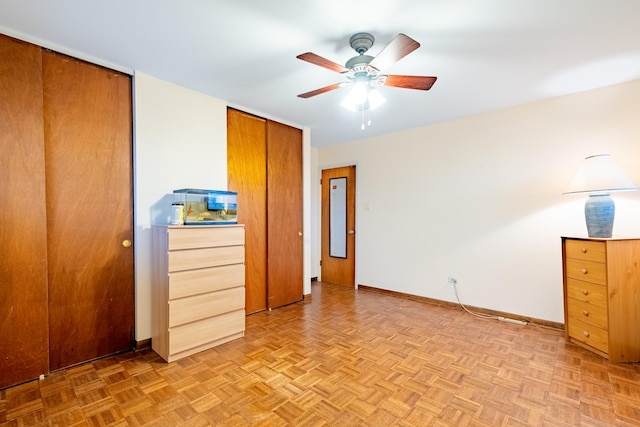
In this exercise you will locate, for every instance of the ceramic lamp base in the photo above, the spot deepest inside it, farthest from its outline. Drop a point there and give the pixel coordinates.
(599, 212)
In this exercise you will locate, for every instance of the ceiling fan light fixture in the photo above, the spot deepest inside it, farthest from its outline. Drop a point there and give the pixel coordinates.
(356, 97)
(362, 97)
(375, 99)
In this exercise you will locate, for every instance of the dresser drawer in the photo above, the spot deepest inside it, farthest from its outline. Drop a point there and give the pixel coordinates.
(204, 237)
(589, 271)
(194, 282)
(203, 258)
(589, 334)
(586, 250)
(592, 314)
(195, 334)
(592, 293)
(190, 309)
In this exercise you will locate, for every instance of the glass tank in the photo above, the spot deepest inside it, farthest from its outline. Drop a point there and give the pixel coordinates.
(207, 207)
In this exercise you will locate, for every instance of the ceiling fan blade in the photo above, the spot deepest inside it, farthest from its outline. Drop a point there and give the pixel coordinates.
(397, 49)
(320, 91)
(323, 62)
(410, 82)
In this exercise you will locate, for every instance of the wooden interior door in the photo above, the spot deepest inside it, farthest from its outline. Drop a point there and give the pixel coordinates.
(339, 269)
(247, 175)
(284, 214)
(23, 264)
(88, 156)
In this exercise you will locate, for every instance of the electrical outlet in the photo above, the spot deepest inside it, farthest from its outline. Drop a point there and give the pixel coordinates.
(453, 280)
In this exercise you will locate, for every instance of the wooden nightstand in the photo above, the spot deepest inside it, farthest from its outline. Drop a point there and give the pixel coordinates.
(601, 280)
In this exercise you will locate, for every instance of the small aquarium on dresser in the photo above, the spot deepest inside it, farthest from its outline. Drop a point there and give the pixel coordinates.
(206, 207)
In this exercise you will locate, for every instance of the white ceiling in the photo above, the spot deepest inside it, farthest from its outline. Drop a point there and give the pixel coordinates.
(487, 55)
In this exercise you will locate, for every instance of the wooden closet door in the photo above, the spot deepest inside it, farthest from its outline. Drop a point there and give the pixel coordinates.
(247, 175)
(23, 244)
(284, 214)
(88, 156)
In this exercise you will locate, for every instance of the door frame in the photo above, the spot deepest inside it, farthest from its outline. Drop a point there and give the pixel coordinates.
(352, 205)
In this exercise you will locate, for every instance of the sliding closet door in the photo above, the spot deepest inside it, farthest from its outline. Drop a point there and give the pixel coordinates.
(264, 164)
(284, 213)
(23, 256)
(88, 148)
(247, 175)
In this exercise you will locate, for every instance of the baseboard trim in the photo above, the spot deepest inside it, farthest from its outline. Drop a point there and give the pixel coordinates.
(306, 297)
(449, 304)
(142, 344)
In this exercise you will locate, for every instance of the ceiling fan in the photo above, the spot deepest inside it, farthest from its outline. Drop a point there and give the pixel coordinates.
(365, 71)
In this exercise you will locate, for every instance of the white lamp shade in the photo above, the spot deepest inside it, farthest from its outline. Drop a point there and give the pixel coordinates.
(600, 174)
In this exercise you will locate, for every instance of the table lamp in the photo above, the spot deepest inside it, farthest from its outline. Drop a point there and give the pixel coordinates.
(598, 176)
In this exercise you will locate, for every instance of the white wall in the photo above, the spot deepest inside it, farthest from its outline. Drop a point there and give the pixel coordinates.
(180, 142)
(480, 199)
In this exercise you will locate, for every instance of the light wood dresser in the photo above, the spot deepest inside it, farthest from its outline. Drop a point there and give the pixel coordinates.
(198, 298)
(602, 296)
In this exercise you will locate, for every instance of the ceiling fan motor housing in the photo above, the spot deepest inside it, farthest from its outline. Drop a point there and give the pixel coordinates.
(358, 64)
(361, 42)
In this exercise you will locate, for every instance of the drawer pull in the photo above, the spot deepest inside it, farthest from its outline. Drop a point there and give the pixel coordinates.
(584, 250)
(586, 334)
(583, 271)
(585, 312)
(585, 292)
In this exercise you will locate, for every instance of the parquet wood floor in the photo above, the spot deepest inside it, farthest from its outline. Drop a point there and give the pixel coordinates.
(346, 358)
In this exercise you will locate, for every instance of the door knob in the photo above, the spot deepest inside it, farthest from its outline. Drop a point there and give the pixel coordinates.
(299, 233)
(126, 243)
(350, 232)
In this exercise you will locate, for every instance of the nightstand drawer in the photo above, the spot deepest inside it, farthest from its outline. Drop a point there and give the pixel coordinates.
(196, 334)
(190, 309)
(194, 282)
(192, 237)
(589, 334)
(203, 258)
(586, 270)
(592, 293)
(586, 250)
(588, 313)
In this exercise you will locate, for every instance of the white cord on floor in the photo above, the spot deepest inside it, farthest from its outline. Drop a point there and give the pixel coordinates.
(483, 316)
(486, 316)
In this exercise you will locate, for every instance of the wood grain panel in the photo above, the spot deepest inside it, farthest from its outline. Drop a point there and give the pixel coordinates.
(588, 250)
(284, 214)
(202, 237)
(204, 258)
(595, 315)
(623, 261)
(194, 282)
(592, 293)
(589, 334)
(594, 272)
(246, 169)
(88, 146)
(193, 334)
(198, 307)
(339, 270)
(23, 264)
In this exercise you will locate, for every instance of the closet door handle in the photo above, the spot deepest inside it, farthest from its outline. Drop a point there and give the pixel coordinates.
(126, 243)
